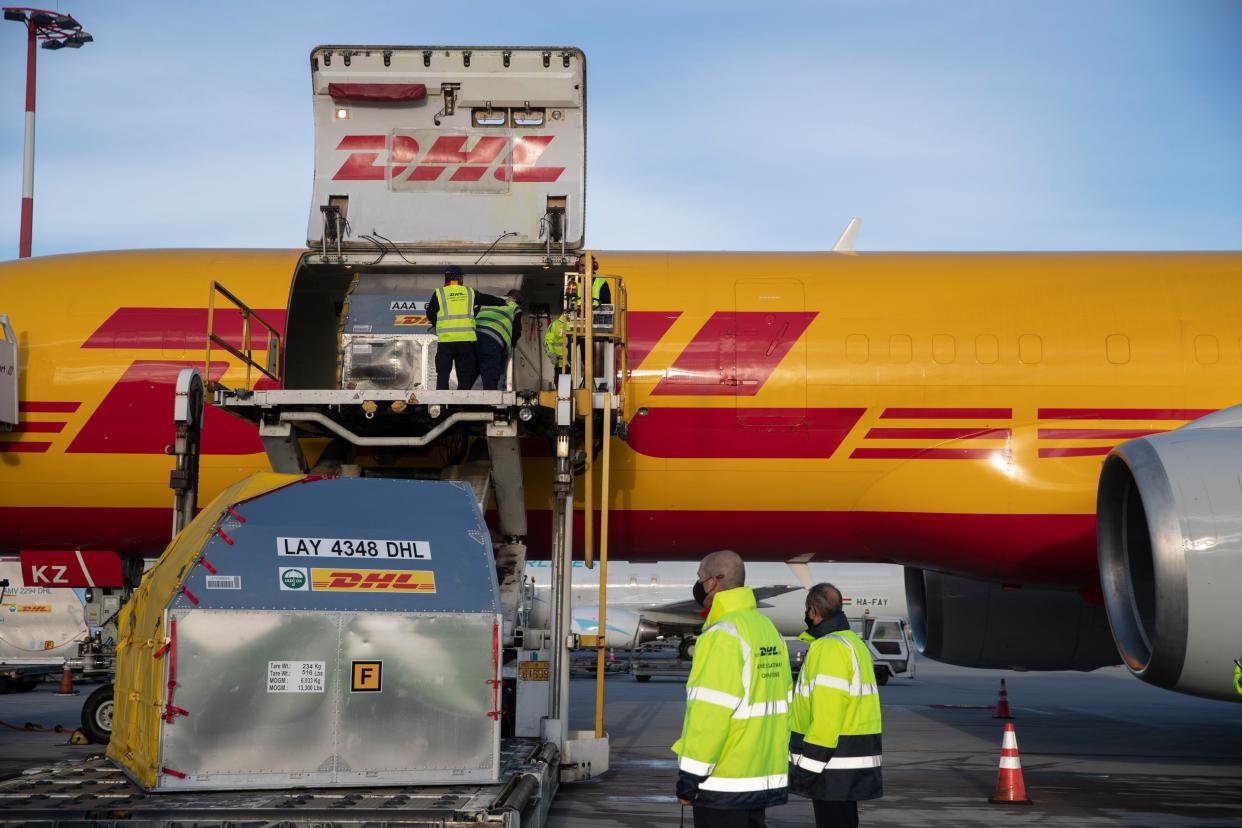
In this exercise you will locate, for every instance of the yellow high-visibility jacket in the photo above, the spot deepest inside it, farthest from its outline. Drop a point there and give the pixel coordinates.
(835, 750)
(733, 750)
(455, 321)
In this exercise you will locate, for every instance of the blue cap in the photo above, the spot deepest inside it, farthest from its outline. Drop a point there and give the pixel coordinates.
(453, 272)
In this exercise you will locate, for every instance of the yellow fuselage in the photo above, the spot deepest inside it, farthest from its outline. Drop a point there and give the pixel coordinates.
(943, 410)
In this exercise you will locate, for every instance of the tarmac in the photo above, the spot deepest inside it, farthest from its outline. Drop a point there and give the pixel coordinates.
(1097, 749)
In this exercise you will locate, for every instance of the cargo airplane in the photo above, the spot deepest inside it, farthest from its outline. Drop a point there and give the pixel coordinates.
(946, 412)
(1032, 435)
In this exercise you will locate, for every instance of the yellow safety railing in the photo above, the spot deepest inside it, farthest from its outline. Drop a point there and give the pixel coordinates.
(581, 328)
(271, 369)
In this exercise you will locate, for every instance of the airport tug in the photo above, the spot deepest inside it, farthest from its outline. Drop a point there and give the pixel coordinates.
(349, 620)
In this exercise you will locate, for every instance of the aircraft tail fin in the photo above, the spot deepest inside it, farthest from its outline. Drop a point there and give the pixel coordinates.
(845, 243)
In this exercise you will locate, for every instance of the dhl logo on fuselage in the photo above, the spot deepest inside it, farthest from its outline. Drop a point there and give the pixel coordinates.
(731, 353)
(330, 579)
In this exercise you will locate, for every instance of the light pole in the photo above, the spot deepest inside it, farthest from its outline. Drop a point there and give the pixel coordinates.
(57, 31)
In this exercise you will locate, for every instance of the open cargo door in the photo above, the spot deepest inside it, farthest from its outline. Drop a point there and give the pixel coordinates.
(449, 148)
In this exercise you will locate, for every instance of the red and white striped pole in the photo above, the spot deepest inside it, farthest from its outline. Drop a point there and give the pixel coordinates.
(23, 248)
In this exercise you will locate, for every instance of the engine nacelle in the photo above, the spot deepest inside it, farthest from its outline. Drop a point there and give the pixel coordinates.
(626, 629)
(1169, 524)
(981, 624)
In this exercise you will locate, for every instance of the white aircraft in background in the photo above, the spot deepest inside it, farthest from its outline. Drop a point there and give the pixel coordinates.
(38, 625)
(646, 600)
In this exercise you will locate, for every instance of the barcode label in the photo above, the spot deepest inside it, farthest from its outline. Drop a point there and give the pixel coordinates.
(224, 582)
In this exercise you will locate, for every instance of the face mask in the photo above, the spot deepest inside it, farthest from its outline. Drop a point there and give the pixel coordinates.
(700, 594)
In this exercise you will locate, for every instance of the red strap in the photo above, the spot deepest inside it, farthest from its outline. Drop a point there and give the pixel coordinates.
(190, 595)
(172, 674)
(227, 539)
(172, 772)
(206, 565)
(495, 712)
(236, 516)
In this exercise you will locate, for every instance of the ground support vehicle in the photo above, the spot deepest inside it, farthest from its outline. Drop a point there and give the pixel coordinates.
(347, 389)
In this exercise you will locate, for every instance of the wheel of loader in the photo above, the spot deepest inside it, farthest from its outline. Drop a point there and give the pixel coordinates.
(881, 675)
(97, 715)
(685, 650)
(641, 678)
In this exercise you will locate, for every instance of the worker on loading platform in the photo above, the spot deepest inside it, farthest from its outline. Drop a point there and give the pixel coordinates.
(452, 310)
(732, 757)
(834, 751)
(495, 328)
(554, 345)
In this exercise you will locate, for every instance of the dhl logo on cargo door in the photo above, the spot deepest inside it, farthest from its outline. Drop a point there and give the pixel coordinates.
(372, 580)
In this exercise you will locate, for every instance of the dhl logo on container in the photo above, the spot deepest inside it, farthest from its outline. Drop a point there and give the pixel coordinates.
(372, 580)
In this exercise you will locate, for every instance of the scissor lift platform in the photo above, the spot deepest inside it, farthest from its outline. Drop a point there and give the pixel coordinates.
(94, 791)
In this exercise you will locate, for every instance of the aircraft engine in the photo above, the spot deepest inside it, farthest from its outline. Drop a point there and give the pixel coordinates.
(625, 628)
(1169, 525)
(982, 624)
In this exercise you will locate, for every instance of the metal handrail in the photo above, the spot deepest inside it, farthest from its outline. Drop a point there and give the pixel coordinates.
(246, 353)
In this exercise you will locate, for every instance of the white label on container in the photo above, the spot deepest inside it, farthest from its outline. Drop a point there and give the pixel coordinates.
(362, 347)
(295, 676)
(363, 548)
(224, 582)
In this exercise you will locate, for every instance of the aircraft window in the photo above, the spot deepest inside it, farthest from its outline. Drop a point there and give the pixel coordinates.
(944, 349)
(1117, 347)
(1030, 349)
(1207, 350)
(655, 581)
(987, 349)
(633, 581)
(900, 348)
(857, 348)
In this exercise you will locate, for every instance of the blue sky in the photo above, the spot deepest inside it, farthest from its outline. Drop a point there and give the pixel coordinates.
(713, 125)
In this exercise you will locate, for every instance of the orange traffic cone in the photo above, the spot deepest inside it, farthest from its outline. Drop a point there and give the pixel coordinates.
(1002, 704)
(1010, 789)
(66, 683)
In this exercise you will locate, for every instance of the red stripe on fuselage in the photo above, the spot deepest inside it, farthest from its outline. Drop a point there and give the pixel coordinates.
(27, 427)
(135, 417)
(180, 328)
(126, 529)
(734, 353)
(947, 414)
(924, 453)
(645, 329)
(36, 407)
(938, 434)
(1097, 433)
(1123, 413)
(23, 447)
(1075, 451)
(756, 433)
(1057, 550)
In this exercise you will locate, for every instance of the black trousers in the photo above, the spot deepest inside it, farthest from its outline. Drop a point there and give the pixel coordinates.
(716, 818)
(491, 355)
(829, 814)
(459, 356)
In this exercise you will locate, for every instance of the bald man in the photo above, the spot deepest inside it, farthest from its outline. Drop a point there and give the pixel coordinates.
(732, 757)
(835, 751)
